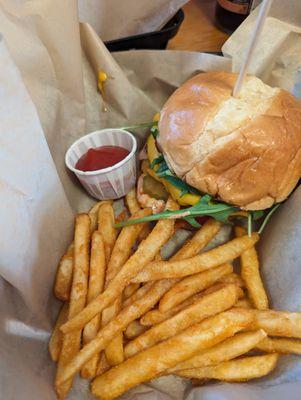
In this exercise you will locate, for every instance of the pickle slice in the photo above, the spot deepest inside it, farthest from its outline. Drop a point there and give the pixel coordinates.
(154, 188)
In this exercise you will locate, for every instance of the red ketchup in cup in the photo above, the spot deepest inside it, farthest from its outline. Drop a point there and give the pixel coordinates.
(101, 157)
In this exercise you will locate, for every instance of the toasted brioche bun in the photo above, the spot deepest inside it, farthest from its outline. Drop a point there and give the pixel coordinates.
(245, 151)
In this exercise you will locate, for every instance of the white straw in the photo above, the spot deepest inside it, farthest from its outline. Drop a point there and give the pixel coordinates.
(263, 12)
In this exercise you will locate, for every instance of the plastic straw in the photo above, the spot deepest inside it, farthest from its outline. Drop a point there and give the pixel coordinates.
(263, 12)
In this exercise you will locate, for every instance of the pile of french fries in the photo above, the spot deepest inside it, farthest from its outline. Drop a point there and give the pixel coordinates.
(129, 316)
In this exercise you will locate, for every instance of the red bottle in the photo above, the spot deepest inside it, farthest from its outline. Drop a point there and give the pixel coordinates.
(229, 14)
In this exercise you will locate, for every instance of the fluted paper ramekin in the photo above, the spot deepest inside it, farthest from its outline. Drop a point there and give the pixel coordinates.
(112, 182)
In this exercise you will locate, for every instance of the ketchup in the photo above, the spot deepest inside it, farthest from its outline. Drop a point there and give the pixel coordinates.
(101, 157)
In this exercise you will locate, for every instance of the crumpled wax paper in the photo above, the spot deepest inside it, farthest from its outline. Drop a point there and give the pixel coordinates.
(48, 98)
(115, 19)
(277, 56)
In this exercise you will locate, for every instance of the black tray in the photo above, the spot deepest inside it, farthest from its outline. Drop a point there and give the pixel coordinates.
(152, 40)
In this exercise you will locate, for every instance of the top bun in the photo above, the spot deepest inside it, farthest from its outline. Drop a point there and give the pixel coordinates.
(244, 151)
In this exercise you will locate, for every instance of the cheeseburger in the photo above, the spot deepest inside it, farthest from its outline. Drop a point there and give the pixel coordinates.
(244, 152)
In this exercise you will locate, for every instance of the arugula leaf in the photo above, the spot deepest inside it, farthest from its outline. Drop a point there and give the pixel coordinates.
(163, 170)
(219, 211)
(253, 216)
(183, 186)
(192, 221)
(154, 131)
(142, 125)
(183, 192)
(206, 206)
(250, 223)
(257, 214)
(268, 217)
(156, 161)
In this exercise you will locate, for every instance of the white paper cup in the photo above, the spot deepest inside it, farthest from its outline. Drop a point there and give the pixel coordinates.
(112, 182)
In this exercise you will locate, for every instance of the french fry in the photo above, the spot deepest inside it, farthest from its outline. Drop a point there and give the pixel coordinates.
(205, 307)
(106, 221)
(130, 290)
(56, 339)
(251, 275)
(126, 316)
(185, 337)
(145, 232)
(134, 329)
(155, 316)
(219, 285)
(64, 273)
(122, 216)
(196, 243)
(133, 206)
(241, 370)
(155, 360)
(280, 346)
(103, 364)
(114, 349)
(243, 303)
(138, 294)
(199, 240)
(124, 244)
(146, 251)
(118, 324)
(231, 348)
(63, 279)
(278, 323)
(131, 201)
(95, 287)
(120, 254)
(71, 341)
(191, 285)
(192, 247)
(158, 257)
(212, 258)
(93, 214)
(233, 278)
